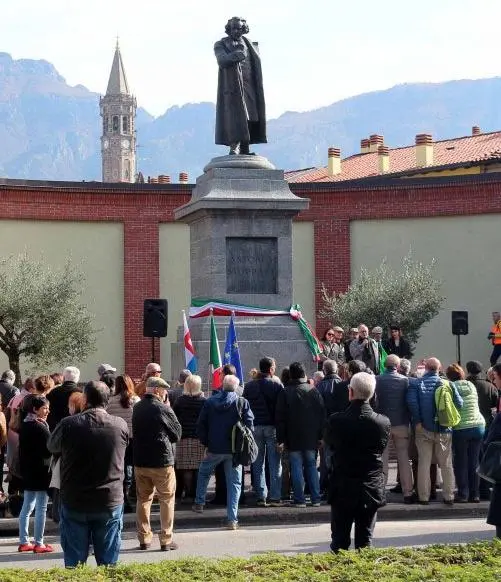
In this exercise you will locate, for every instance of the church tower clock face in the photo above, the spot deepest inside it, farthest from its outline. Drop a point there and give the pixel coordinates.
(118, 110)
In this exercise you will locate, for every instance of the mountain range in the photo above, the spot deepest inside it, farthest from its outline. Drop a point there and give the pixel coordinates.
(50, 130)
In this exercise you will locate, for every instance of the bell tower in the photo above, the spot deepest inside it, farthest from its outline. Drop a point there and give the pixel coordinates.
(118, 140)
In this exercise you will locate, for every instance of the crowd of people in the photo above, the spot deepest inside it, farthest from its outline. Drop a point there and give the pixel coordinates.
(111, 445)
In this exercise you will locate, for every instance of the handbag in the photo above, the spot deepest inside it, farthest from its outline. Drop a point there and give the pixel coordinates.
(490, 465)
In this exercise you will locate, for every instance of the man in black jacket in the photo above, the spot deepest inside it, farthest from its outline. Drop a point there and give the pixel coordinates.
(300, 420)
(60, 396)
(7, 393)
(357, 438)
(155, 428)
(92, 449)
(262, 395)
(487, 402)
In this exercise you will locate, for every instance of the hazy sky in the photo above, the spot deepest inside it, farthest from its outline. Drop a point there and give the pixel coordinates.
(314, 52)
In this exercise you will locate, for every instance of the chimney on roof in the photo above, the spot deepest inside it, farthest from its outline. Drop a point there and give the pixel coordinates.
(375, 141)
(383, 159)
(475, 130)
(334, 162)
(183, 178)
(163, 179)
(364, 146)
(424, 150)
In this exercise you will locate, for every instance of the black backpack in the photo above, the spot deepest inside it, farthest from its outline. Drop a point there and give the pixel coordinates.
(243, 444)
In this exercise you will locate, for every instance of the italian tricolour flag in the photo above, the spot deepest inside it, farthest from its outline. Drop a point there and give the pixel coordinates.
(215, 364)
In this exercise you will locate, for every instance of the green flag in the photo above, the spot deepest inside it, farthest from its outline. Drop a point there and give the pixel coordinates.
(382, 358)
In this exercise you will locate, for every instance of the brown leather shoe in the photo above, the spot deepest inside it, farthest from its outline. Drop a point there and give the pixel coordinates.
(169, 547)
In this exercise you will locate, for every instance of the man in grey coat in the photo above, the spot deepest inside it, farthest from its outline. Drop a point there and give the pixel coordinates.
(391, 400)
(364, 348)
(240, 108)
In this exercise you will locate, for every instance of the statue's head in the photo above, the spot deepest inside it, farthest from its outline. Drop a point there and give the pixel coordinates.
(236, 27)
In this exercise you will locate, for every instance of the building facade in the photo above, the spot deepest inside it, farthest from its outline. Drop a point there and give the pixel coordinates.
(125, 239)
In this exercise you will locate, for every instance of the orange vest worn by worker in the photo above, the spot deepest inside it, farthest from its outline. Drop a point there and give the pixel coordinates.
(495, 334)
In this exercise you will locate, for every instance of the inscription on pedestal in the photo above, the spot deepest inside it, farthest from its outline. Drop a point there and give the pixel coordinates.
(251, 265)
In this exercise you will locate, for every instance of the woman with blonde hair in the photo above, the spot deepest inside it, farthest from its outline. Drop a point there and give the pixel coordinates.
(189, 450)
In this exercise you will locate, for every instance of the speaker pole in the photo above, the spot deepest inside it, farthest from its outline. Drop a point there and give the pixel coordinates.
(152, 349)
(458, 348)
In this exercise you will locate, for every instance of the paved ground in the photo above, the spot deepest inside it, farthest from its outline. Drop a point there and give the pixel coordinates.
(249, 541)
(251, 515)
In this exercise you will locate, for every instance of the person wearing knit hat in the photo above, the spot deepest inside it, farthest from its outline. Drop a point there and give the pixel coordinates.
(487, 392)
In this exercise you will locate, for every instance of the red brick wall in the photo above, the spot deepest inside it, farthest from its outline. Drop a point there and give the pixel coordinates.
(141, 208)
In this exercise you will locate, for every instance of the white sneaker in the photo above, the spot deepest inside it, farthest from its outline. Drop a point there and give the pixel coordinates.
(232, 525)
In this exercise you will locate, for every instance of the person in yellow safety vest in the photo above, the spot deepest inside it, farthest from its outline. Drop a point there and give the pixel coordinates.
(495, 337)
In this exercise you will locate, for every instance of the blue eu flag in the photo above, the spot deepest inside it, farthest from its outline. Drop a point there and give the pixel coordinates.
(231, 351)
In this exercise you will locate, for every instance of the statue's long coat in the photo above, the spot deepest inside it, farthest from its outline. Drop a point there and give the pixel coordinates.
(231, 117)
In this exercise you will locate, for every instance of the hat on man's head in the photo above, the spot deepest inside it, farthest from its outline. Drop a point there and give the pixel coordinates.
(377, 329)
(337, 328)
(183, 374)
(154, 382)
(103, 368)
(474, 367)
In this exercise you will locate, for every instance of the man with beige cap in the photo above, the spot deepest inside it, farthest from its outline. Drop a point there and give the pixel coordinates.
(156, 429)
(152, 371)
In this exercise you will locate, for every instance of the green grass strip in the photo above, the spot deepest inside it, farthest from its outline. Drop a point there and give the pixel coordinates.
(477, 562)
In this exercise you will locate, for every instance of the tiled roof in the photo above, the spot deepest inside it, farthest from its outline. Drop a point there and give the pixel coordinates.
(471, 148)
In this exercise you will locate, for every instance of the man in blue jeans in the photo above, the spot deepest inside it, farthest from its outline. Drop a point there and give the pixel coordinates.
(92, 449)
(262, 394)
(215, 424)
(300, 422)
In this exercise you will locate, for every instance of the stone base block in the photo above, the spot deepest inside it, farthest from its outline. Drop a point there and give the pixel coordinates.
(277, 337)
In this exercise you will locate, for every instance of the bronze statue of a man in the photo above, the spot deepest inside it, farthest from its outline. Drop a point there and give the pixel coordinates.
(240, 110)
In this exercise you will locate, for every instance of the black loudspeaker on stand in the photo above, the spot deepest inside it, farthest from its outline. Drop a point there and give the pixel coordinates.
(155, 318)
(459, 328)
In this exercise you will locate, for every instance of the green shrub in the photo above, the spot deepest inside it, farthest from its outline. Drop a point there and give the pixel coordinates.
(478, 562)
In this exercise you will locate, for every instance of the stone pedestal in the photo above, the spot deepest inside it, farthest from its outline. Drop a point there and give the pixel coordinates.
(240, 218)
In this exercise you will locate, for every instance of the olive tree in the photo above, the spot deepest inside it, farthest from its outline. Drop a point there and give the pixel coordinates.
(408, 296)
(42, 318)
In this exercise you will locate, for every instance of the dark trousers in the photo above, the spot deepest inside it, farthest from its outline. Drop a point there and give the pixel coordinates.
(2, 463)
(496, 352)
(343, 516)
(498, 531)
(466, 446)
(103, 529)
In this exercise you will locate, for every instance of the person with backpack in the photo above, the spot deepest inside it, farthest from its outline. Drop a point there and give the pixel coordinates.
(433, 437)
(216, 427)
(262, 394)
(467, 438)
